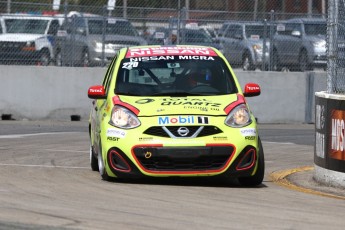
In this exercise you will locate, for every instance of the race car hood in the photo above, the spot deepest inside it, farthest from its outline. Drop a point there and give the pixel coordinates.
(18, 37)
(156, 106)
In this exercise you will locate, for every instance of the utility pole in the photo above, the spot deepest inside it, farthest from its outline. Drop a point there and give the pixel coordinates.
(8, 6)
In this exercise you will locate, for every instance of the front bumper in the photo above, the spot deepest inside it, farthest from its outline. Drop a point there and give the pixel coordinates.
(138, 155)
(25, 57)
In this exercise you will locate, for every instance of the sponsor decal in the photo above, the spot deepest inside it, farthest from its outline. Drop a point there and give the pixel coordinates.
(151, 58)
(203, 120)
(160, 51)
(135, 60)
(145, 138)
(166, 120)
(220, 138)
(337, 148)
(189, 102)
(182, 120)
(111, 132)
(319, 125)
(113, 138)
(246, 132)
(196, 58)
(320, 144)
(204, 109)
(144, 101)
(320, 116)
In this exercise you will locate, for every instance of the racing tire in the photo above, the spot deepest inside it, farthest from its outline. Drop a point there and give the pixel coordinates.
(44, 58)
(276, 66)
(303, 61)
(258, 177)
(58, 58)
(85, 59)
(93, 160)
(101, 166)
(247, 63)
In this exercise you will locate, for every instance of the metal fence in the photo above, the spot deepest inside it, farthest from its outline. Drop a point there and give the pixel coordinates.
(94, 32)
(336, 47)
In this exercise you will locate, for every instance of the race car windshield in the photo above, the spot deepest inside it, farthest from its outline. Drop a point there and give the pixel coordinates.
(174, 76)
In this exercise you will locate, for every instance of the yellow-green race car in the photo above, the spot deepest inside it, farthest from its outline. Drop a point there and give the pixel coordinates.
(167, 111)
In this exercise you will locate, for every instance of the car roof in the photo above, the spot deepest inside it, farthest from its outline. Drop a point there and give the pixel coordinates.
(307, 20)
(93, 16)
(27, 16)
(244, 22)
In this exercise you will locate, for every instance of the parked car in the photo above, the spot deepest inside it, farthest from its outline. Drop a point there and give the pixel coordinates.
(89, 40)
(174, 110)
(245, 44)
(300, 43)
(187, 36)
(29, 39)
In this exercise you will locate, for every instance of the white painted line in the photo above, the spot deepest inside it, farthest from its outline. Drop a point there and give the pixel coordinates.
(65, 150)
(284, 143)
(33, 134)
(44, 166)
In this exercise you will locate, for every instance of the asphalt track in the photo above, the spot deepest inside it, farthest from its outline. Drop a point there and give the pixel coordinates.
(46, 183)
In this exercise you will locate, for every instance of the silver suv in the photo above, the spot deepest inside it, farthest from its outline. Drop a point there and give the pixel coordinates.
(245, 44)
(300, 43)
(93, 40)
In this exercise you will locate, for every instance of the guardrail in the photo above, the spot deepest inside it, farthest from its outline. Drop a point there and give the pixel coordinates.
(38, 93)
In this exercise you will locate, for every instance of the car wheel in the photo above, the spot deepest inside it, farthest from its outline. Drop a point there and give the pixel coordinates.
(44, 59)
(58, 59)
(247, 63)
(101, 166)
(258, 177)
(93, 160)
(303, 61)
(85, 58)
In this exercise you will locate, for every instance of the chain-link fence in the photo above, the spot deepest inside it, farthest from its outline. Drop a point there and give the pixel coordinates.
(252, 34)
(336, 47)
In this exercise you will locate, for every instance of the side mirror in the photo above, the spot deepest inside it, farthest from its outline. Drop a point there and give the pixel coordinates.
(251, 90)
(96, 92)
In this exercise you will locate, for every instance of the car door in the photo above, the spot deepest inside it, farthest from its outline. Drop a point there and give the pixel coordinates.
(51, 35)
(101, 105)
(74, 40)
(230, 44)
(288, 44)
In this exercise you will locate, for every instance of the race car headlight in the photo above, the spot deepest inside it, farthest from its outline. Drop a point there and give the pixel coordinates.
(123, 118)
(238, 117)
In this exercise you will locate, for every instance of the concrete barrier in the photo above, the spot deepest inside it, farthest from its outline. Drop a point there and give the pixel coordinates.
(37, 93)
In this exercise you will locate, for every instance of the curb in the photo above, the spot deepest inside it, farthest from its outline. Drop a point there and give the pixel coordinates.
(280, 178)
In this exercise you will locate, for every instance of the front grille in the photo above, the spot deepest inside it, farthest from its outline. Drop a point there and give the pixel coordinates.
(11, 46)
(320, 58)
(183, 158)
(172, 131)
